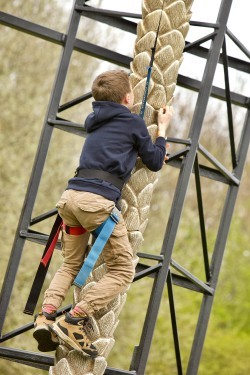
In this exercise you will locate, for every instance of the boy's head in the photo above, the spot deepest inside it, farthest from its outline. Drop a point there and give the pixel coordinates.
(113, 86)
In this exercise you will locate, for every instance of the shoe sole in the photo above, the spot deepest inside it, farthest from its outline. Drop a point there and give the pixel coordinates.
(67, 340)
(44, 339)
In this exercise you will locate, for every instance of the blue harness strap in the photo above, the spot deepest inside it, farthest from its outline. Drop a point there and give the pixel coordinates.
(102, 234)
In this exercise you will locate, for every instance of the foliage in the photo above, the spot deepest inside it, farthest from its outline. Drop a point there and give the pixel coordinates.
(27, 74)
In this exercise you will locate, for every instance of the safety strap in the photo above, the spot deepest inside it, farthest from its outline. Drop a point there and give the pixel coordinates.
(43, 267)
(74, 231)
(101, 175)
(102, 234)
(153, 49)
(45, 261)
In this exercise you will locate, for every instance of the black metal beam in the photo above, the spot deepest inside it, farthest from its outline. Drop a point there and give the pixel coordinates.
(27, 358)
(216, 92)
(106, 12)
(120, 23)
(44, 362)
(218, 253)
(59, 38)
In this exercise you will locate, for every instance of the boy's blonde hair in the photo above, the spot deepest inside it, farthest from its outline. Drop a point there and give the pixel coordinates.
(111, 86)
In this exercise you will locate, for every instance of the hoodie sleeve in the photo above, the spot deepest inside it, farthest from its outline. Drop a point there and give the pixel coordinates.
(151, 154)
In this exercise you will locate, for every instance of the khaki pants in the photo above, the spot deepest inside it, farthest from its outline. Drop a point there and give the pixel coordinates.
(90, 210)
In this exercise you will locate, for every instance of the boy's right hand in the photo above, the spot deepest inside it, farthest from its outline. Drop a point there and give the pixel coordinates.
(164, 116)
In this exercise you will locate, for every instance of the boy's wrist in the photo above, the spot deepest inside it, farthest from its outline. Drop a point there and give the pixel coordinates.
(161, 134)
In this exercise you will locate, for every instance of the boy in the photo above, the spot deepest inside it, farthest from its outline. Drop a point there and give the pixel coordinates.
(115, 138)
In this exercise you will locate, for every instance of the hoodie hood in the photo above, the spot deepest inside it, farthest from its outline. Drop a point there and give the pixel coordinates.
(103, 112)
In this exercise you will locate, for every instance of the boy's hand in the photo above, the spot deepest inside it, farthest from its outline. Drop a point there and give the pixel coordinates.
(166, 158)
(164, 116)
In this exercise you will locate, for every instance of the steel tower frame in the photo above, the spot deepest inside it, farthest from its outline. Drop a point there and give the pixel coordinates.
(187, 160)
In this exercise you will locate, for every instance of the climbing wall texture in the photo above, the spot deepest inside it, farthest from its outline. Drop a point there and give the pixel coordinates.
(137, 194)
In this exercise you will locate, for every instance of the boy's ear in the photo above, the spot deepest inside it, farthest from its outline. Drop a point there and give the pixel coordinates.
(127, 98)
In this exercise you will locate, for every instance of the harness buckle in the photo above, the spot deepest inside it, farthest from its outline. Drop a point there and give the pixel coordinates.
(115, 215)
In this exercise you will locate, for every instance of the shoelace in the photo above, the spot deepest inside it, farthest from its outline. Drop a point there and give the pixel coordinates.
(89, 326)
(86, 327)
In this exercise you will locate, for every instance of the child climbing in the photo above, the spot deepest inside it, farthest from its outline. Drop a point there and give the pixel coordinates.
(115, 138)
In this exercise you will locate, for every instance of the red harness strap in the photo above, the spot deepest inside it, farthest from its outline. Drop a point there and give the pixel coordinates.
(47, 256)
(45, 261)
(75, 231)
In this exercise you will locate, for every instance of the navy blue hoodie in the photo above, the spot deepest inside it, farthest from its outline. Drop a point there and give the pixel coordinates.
(115, 138)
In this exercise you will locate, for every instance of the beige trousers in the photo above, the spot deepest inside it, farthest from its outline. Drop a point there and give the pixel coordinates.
(90, 210)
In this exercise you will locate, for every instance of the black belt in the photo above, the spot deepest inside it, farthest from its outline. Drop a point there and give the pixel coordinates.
(101, 175)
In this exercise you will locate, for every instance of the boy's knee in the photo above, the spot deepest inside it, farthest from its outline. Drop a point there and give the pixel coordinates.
(128, 274)
(70, 269)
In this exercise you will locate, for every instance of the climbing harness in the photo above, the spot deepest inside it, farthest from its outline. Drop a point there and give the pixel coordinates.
(102, 234)
(101, 175)
(75, 231)
(153, 49)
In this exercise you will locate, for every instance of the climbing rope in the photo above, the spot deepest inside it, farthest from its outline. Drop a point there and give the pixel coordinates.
(153, 49)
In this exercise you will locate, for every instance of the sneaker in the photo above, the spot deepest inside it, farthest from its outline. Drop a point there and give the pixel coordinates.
(47, 340)
(71, 330)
